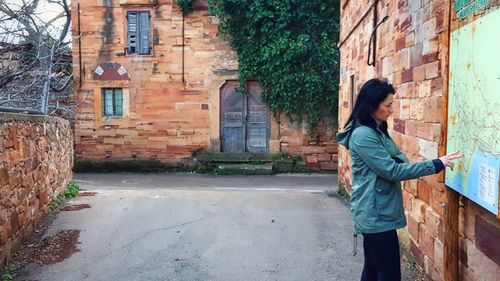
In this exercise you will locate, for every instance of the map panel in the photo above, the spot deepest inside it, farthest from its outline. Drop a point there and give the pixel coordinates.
(474, 110)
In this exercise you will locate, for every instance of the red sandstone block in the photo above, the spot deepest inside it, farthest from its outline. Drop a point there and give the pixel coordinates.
(405, 25)
(438, 201)
(416, 55)
(313, 149)
(335, 158)
(433, 222)
(399, 125)
(410, 39)
(433, 107)
(312, 158)
(424, 191)
(400, 43)
(177, 149)
(432, 70)
(295, 149)
(426, 241)
(419, 73)
(313, 166)
(411, 128)
(407, 75)
(324, 157)
(329, 166)
(413, 226)
(416, 252)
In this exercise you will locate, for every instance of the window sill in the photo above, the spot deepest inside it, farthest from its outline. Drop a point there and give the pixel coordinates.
(111, 118)
(138, 2)
(136, 56)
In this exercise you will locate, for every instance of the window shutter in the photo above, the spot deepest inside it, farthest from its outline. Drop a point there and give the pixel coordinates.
(144, 33)
(132, 32)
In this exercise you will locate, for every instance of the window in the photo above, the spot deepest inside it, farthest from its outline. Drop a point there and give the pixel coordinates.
(112, 103)
(138, 33)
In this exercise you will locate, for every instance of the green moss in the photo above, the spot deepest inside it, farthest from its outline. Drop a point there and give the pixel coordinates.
(201, 162)
(143, 166)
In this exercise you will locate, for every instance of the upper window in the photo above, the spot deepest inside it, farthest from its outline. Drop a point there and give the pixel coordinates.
(112, 103)
(138, 33)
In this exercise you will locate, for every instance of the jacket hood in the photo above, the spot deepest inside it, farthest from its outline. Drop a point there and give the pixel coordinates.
(344, 135)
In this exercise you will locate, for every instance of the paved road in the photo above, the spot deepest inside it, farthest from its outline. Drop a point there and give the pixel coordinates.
(192, 227)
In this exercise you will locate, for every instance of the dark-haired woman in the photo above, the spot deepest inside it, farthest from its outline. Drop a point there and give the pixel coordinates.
(378, 166)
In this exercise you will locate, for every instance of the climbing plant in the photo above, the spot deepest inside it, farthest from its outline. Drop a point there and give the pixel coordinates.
(290, 47)
(186, 6)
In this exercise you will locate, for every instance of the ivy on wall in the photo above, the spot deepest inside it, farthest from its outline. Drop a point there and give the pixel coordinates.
(290, 47)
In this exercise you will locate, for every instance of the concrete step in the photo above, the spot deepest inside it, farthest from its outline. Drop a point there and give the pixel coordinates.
(244, 169)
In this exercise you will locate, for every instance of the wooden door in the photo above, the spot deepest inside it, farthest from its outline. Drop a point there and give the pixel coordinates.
(244, 119)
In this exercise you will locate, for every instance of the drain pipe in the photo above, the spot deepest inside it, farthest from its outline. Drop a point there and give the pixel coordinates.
(183, 58)
(79, 48)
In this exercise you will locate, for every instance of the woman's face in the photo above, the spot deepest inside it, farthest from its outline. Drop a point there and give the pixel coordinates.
(384, 110)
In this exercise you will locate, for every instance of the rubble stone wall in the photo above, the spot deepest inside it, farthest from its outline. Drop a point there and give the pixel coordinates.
(36, 158)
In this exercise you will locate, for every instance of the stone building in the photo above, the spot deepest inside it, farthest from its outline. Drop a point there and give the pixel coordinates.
(154, 84)
(410, 48)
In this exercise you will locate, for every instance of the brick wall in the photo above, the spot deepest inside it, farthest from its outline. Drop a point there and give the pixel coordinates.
(412, 52)
(164, 118)
(36, 156)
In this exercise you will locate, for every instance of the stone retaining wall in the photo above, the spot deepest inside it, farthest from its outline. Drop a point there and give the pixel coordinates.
(36, 157)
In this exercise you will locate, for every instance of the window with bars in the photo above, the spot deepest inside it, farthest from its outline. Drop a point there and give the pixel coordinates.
(112, 103)
(138, 33)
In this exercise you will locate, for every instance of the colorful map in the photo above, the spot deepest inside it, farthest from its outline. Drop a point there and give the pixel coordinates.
(474, 110)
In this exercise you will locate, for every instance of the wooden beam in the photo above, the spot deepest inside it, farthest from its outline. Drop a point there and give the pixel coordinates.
(451, 226)
(451, 245)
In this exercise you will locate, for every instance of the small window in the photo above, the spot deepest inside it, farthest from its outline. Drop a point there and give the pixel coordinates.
(138, 33)
(112, 103)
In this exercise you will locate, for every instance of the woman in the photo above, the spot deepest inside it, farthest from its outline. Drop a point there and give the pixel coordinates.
(378, 166)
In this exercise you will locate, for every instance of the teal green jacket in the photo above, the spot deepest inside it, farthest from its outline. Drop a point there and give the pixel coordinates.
(377, 167)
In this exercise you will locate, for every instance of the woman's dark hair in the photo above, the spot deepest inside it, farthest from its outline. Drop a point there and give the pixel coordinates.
(372, 93)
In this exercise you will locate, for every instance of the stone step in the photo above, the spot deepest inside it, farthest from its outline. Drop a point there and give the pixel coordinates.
(244, 169)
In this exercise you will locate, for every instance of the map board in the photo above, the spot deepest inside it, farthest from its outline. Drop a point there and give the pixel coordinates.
(474, 110)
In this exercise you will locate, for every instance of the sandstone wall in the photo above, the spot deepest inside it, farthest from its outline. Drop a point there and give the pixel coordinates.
(164, 118)
(36, 157)
(412, 53)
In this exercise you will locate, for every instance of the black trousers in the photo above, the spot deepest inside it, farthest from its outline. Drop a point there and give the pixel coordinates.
(382, 258)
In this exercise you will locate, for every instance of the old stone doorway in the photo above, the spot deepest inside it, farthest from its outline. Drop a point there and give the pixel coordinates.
(244, 119)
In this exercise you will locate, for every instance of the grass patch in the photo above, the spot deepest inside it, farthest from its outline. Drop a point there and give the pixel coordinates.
(70, 192)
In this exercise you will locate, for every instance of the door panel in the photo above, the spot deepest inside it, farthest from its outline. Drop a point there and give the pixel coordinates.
(233, 106)
(257, 121)
(244, 120)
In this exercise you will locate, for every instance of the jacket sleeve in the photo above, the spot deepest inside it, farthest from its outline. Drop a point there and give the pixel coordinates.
(373, 153)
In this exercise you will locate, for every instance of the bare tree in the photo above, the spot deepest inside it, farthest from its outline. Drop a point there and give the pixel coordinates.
(35, 65)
